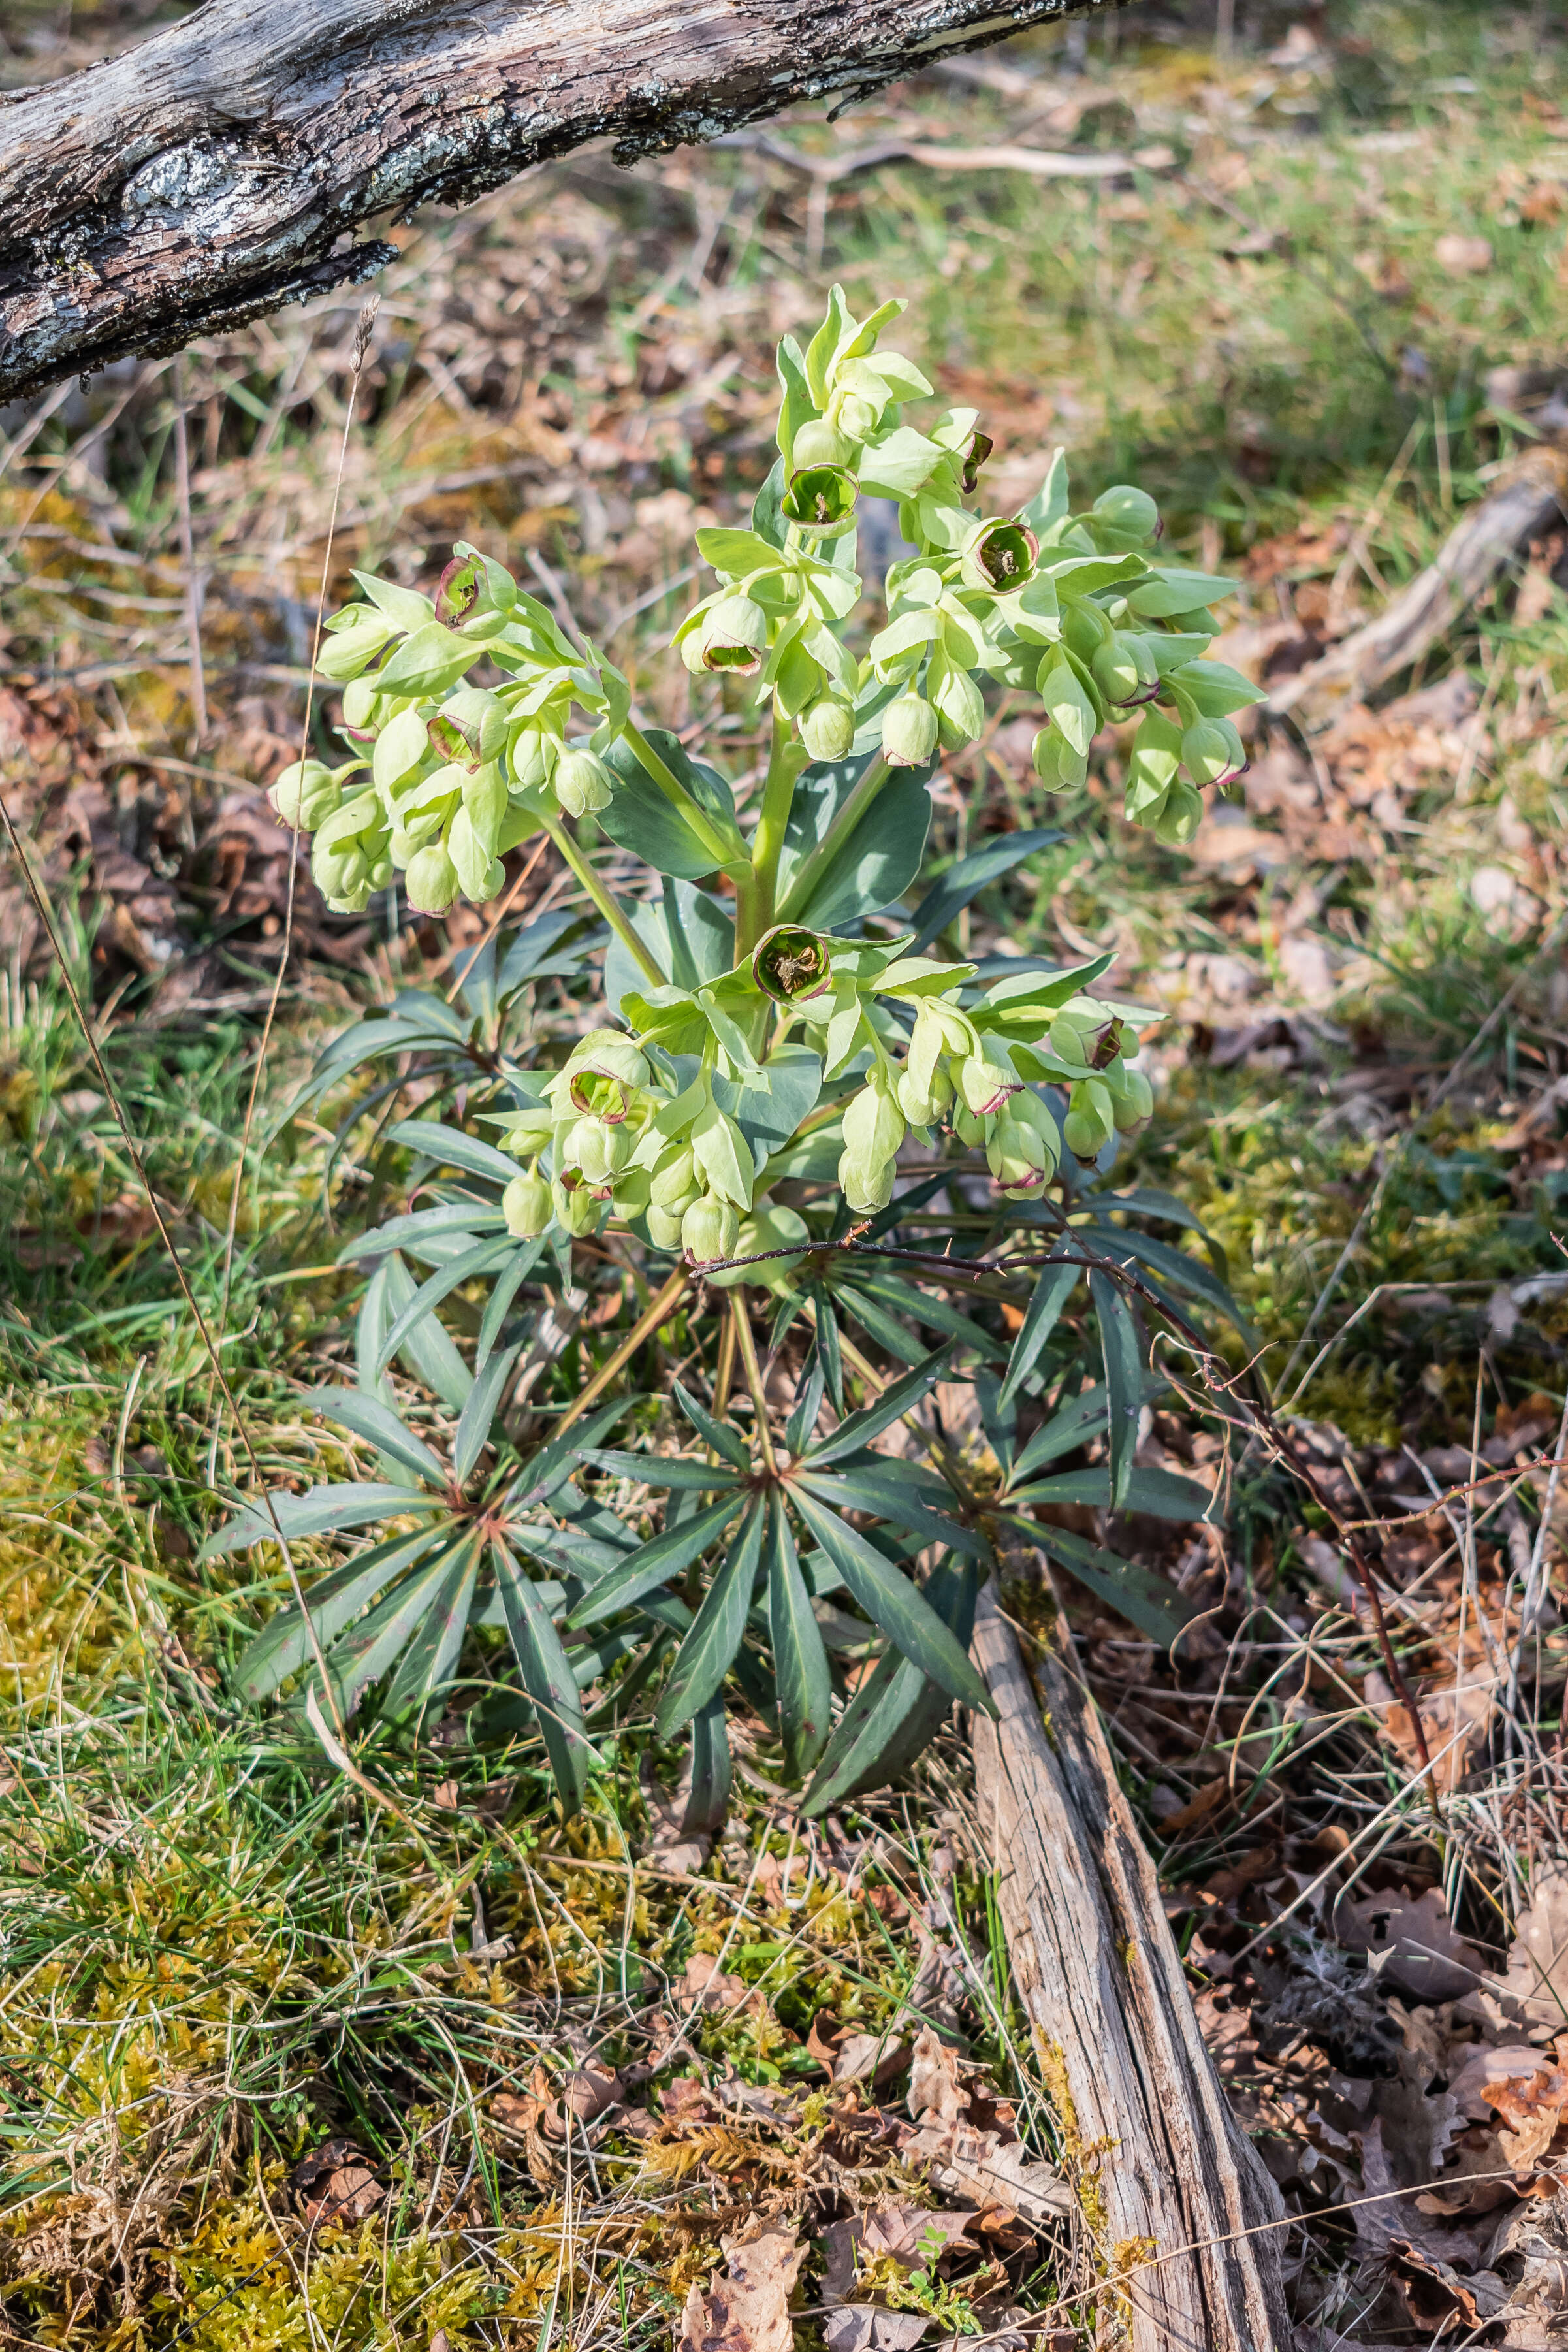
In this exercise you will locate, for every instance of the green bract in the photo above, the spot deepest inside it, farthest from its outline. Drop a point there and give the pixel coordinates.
(774, 1033)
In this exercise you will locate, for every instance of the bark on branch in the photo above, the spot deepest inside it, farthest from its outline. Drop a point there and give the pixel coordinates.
(1172, 2192)
(224, 167)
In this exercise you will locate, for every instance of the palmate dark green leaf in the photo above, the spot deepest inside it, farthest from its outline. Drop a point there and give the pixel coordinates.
(892, 1493)
(1124, 1359)
(431, 1658)
(1182, 1272)
(899, 1397)
(547, 1679)
(897, 1710)
(968, 875)
(802, 1675)
(708, 1801)
(528, 947)
(808, 1403)
(830, 1355)
(363, 1656)
(335, 1600)
(1160, 1493)
(1051, 1293)
(1080, 1418)
(325, 1511)
(893, 1291)
(707, 1654)
(898, 1338)
(476, 1420)
(368, 1417)
(662, 1469)
(513, 1276)
(556, 1460)
(483, 1258)
(655, 1563)
(1136, 1592)
(890, 1601)
(427, 1351)
(461, 1220)
(450, 1147)
(724, 1440)
(430, 1011)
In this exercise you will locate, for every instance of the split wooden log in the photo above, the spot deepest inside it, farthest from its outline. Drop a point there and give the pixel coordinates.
(1171, 2189)
(222, 168)
(1531, 500)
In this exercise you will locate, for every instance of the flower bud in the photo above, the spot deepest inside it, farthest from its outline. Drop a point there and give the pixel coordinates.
(305, 795)
(1128, 511)
(828, 729)
(734, 637)
(1059, 767)
(820, 499)
(1089, 1124)
(908, 731)
(525, 1204)
(1124, 672)
(966, 1125)
(345, 655)
(791, 965)
(1180, 815)
(854, 415)
(873, 1122)
(1000, 555)
(599, 1152)
(1212, 752)
(923, 1105)
(1020, 1149)
(664, 1229)
(431, 880)
(817, 443)
(770, 1226)
(676, 1184)
(972, 457)
(709, 1230)
(1085, 1035)
(866, 1184)
(360, 700)
(983, 1085)
(1132, 1100)
(582, 782)
(532, 757)
(577, 1205)
(873, 1130)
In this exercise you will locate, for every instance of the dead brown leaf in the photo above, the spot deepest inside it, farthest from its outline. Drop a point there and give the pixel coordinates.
(748, 2309)
(336, 2182)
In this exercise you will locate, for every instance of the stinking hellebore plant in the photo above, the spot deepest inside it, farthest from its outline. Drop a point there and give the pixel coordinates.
(774, 1031)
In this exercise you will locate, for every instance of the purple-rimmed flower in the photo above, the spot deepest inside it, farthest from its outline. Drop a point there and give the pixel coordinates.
(791, 965)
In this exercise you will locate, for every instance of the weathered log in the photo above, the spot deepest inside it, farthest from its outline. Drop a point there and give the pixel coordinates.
(1532, 498)
(221, 168)
(1169, 2185)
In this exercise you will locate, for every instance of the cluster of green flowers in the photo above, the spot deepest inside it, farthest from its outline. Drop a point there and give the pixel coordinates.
(651, 1125)
(445, 778)
(1067, 606)
(621, 1132)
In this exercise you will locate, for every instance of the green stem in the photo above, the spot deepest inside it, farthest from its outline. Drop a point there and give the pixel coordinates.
(601, 898)
(767, 841)
(675, 791)
(812, 871)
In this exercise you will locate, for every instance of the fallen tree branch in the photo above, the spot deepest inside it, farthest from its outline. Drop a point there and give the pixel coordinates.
(223, 167)
(1491, 537)
(1178, 2201)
